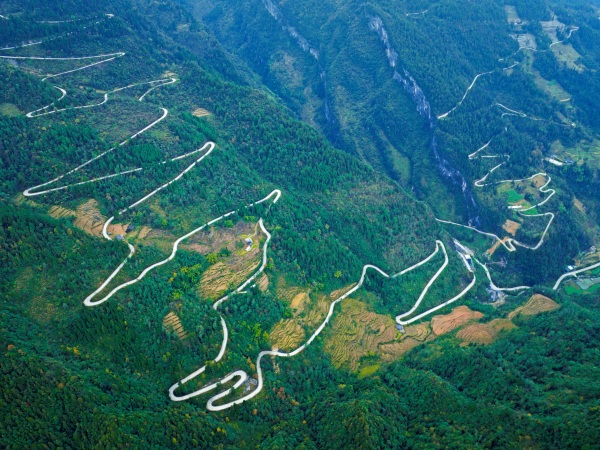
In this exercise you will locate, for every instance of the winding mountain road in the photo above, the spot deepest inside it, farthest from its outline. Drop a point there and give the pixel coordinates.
(510, 243)
(242, 376)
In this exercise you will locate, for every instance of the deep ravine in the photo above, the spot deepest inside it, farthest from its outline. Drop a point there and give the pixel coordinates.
(417, 95)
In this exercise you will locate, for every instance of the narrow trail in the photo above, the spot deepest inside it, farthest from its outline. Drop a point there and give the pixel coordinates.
(55, 22)
(89, 301)
(28, 192)
(572, 30)
(417, 14)
(442, 116)
(511, 243)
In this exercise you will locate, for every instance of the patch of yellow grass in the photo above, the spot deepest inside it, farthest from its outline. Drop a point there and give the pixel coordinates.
(395, 350)
(263, 283)
(420, 332)
(577, 203)
(299, 300)
(484, 333)
(339, 292)
(286, 335)
(172, 323)
(10, 110)
(201, 112)
(535, 305)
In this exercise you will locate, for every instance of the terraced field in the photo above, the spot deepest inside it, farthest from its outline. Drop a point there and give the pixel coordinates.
(357, 332)
(457, 318)
(484, 333)
(287, 335)
(535, 305)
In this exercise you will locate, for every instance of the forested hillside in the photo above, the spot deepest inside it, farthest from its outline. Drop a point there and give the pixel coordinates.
(299, 224)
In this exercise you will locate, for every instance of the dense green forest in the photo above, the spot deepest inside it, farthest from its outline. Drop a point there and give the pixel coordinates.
(341, 106)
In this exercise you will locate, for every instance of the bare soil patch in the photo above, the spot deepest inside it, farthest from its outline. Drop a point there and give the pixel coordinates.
(539, 181)
(490, 251)
(511, 227)
(458, 317)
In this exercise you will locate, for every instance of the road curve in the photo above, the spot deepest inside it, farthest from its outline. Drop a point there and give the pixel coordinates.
(510, 243)
(28, 192)
(37, 113)
(573, 273)
(493, 286)
(242, 376)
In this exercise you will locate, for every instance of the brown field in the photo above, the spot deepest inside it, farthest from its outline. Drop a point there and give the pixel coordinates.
(285, 292)
(458, 317)
(113, 229)
(420, 332)
(577, 203)
(293, 295)
(171, 323)
(539, 181)
(214, 239)
(144, 232)
(59, 212)
(511, 227)
(20, 199)
(395, 350)
(287, 335)
(88, 218)
(484, 333)
(535, 305)
(201, 112)
(356, 332)
(221, 277)
(299, 300)
(263, 283)
(231, 271)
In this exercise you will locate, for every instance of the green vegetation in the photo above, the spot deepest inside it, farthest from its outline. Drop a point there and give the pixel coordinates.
(368, 371)
(343, 141)
(513, 196)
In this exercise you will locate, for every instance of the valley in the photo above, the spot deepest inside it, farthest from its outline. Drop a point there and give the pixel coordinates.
(228, 223)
